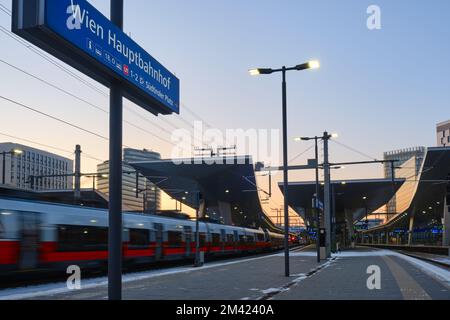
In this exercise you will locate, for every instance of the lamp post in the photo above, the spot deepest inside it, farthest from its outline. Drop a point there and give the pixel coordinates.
(13, 152)
(317, 197)
(283, 70)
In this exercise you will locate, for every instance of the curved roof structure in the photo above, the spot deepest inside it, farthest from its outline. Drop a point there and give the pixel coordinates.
(348, 195)
(430, 190)
(226, 185)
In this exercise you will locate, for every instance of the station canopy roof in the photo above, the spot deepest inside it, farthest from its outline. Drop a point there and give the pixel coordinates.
(430, 191)
(353, 195)
(227, 185)
(88, 197)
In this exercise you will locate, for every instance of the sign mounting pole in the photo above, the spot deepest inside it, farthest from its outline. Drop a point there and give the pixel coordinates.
(115, 174)
(78, 34)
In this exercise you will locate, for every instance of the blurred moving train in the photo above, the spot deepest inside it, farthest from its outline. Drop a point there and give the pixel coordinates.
(46, 236)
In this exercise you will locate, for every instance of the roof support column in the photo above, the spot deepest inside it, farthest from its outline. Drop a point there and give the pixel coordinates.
(349, 223)
(411, 227)
(446, 224)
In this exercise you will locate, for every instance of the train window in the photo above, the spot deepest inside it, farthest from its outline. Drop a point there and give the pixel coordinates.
(242, 239)
(260, 237)
(250, 239)
(81, 238)
(175, 238)
(139, 237)
(230, 239)
(215, 239)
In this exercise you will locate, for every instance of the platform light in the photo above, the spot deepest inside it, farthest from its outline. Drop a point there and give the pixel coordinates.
(309, 65)
(334, 135)
(6, 213)
(258, 71)
(93, 221)
(227, 191)
(314, 64)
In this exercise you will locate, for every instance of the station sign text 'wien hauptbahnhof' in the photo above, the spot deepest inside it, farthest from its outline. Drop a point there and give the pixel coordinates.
(78, 34)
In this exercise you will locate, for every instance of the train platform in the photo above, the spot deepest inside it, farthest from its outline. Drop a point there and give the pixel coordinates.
(434, 258)
(347, 275)
(435, 254)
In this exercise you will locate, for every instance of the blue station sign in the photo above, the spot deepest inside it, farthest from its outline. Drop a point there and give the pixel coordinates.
(77, 33)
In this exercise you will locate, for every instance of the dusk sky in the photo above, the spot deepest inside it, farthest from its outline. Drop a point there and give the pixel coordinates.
(379, 89)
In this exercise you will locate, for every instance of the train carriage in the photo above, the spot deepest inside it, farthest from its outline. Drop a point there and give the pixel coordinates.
(45, 236)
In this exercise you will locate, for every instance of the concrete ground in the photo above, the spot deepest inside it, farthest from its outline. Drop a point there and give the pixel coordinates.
(346, 276)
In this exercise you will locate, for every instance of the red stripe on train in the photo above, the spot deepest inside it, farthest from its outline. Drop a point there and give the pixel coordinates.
(9, 252)
(49, 253)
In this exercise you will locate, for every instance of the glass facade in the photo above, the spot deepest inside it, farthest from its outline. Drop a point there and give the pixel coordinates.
(149, 197)
(408, 167)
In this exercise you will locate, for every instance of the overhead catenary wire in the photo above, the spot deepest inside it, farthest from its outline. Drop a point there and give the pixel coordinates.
(86, 155)
(9, 12)
(355, 150)
(301, 154)
(58, 119)
(87, 83)
(5, 9)
(87, 102)
(91, 104)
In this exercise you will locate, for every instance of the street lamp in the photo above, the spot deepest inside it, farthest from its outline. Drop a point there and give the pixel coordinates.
(13, 152)
(308, 65)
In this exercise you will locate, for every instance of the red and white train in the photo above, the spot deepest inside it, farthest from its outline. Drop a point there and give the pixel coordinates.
(45, 236)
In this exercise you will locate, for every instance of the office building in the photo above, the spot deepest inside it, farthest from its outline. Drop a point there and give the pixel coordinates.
(443, 134)
(22, 163)
(149, 197)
